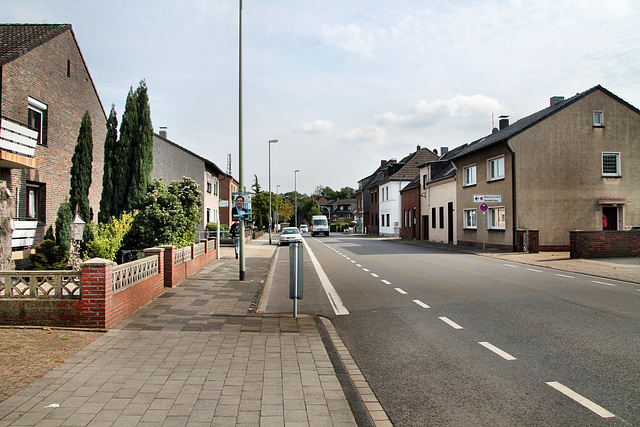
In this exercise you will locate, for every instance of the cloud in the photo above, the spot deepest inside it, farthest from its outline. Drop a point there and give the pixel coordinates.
(352, 38)
(368, 134)
(316, 127)
(427, 113)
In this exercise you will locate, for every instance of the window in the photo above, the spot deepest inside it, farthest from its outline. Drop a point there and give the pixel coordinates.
(598, 117)
(33, 202)
(425, 179)
(208, 188)
(470, 218)
(495, 168)
(382, 221)
(496, 218)
(433, 218)
(441, 216)
(610, 164)
(208, 215)
(389, 220)
(37, 119)
(469, 175)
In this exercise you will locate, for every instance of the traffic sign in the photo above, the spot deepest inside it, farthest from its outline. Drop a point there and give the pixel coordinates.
(487, 198)
(484, 207)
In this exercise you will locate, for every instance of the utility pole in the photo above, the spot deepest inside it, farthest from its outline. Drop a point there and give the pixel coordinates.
(240, 159)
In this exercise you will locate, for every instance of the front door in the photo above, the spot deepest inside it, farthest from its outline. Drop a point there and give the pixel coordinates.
(425, 227)
(450, 222)
(609, 217)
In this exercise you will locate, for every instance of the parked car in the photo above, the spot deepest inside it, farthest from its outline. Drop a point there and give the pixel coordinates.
(304, 228)
(288, 235)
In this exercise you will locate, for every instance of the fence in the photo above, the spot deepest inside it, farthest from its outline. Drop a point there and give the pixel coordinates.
(101, 293)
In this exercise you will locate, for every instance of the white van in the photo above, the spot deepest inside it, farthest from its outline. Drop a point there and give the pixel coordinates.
(320, 225)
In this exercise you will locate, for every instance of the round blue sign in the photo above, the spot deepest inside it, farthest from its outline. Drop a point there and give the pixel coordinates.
(484, 207)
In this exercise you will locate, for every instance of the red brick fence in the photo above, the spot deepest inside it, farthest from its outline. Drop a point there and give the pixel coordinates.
(604, 244)
(101, 293)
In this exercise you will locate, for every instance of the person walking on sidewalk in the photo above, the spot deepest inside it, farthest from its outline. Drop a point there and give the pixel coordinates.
(235, 233)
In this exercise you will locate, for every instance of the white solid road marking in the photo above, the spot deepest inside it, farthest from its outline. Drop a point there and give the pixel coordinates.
(564, 275)
(581, 400)
(497, 351)
(450, 322)
(386, 282)
(374, 275)
(420, 303)
(602, 283)
(534, 270)
(332, 294)
(400, 291)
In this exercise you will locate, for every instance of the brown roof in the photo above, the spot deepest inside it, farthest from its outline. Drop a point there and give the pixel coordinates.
(410, 170)
(18, 39)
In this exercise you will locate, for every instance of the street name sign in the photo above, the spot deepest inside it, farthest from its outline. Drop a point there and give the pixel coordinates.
(487, 198)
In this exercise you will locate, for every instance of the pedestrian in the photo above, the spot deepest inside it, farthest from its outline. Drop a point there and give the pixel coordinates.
(235, 233)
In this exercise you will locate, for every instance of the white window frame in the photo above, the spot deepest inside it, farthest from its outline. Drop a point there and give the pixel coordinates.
(498, 223)
(470, 219)
(618, 167)
(598, 118)
(490, 170)
(40, 108)
(469, 175)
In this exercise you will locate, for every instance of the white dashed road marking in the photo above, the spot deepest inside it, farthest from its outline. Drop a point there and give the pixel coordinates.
(374, 275)
(602, 283)
(400, 291)
(534, 270)
(386, 282)
(420, 303)
(497, 351)
(564, 275)
(581, 400)
(450, 322)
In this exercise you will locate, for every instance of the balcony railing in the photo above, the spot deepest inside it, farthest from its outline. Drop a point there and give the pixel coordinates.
(17, 145)
(24, 233)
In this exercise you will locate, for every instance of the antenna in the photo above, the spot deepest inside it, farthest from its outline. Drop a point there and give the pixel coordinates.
(229, 164)
(493, 124)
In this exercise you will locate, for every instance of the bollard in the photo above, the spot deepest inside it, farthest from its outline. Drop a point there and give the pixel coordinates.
(295, 274)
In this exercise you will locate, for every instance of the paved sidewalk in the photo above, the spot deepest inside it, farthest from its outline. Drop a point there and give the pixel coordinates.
(195, 356)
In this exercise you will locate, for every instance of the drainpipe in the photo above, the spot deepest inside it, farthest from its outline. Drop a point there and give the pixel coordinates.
(514, 211)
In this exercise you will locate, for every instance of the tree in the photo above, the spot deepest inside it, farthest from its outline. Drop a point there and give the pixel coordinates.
(311, 208)
(346, 193)
(329, 194)
(169, 215)
(260, 209)
(256, 186)
(108, 176)
(63, 218)
(81, 171)
(141, 154)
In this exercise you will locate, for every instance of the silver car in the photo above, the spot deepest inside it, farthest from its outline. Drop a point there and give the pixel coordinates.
(288, 235)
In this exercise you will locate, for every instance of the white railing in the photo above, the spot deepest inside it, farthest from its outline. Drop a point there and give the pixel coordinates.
(134, 272)
(17, 138)
(24, 233)
(182, 255)
(56, 284)
(198, 250)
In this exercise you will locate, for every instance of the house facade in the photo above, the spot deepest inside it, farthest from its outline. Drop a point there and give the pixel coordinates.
(46, 89)
(410, 228)
(574, 165)
(172, 162)
(228, 186)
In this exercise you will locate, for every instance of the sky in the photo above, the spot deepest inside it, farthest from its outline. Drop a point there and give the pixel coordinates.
(343, 85)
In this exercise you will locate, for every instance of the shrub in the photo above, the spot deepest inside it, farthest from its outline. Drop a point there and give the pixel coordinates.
(212, 226)
(107, 237)
(49, 256)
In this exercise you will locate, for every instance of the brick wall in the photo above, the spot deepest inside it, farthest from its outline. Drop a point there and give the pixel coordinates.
(42, 74)
(603, 244)
(411, 200)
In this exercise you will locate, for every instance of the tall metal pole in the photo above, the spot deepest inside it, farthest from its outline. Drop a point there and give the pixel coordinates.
(272, 141)
(295, 192)
(278, 203)
(240, 156)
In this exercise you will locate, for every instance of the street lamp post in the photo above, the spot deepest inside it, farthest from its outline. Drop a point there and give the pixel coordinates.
(271, 141)
(242, 262)
(295, 190)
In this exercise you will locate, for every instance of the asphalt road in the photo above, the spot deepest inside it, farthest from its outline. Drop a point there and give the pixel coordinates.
(447, 338)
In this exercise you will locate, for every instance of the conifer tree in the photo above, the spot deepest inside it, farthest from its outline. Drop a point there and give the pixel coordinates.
(141, 155)
(121, 170)
(81, 170)
(108, 177)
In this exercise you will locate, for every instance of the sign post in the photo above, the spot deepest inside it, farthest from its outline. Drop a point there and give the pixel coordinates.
(483, 208)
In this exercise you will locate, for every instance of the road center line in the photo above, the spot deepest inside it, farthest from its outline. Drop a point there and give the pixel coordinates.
(497, 351)
(602, 283)
(564, 275)
(386, 282)
(365, 269)
(400, 291)
(450, 322)
(358, 265)
(374, 275)
(420, 303)
(581, 400)
(332, 294)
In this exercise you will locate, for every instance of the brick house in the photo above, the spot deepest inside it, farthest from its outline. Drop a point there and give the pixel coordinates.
(172, 162)
(46, 89)
(228, 186)
(574, 165)
(410, 225)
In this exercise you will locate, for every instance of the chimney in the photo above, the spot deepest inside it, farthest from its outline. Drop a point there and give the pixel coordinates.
(555, 100)
(444, 150)
(418, 148)
(503, 122)
(163, 132)
(383, 162)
